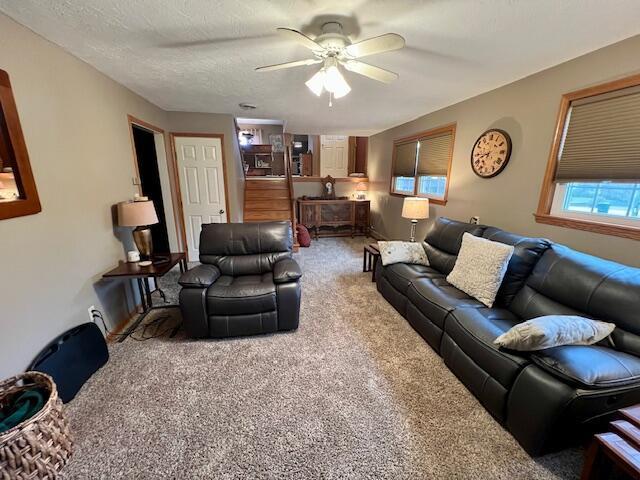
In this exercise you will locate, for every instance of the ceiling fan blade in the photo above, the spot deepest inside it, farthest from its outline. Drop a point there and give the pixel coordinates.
(279, 66)
(301, 38)
(375, 73)
(383, 43)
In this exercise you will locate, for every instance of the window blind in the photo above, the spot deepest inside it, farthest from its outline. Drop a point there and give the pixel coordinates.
(433, 159)
(405, 161)
(602, 138)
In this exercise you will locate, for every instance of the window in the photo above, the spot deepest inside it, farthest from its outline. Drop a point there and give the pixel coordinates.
(593, 176)
(421, 164)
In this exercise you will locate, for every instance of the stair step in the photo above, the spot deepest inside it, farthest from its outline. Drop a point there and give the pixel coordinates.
(267, 204)
(265, 194)
(266, 216)
(266, 185)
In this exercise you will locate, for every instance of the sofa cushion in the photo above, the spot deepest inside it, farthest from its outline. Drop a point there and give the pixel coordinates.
(591, 366)
(242, 295)
(475, 329)
(435, 298)
(443, 241)
(400, 275)
(526, 254)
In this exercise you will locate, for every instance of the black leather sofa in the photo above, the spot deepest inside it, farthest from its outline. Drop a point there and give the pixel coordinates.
(548, 399)
(247, 282)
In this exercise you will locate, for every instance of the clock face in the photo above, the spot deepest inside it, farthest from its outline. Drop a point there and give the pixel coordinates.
(491, 153)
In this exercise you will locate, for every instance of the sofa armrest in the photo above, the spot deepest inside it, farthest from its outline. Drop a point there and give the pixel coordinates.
(201, 276)
(286, 270)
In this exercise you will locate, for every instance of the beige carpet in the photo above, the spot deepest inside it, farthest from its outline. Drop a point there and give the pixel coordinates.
(354, 393)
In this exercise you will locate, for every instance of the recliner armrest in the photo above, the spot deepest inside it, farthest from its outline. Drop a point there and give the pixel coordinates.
(201, 276)
(286, 270)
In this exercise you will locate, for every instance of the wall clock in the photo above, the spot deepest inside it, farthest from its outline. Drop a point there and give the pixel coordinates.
(491, 153)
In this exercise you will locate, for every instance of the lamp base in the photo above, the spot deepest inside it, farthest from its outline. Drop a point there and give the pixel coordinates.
(413, 229)
(142, 239)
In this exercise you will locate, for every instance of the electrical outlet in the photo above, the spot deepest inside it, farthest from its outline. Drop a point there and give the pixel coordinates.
(91, 309)
(475, 220)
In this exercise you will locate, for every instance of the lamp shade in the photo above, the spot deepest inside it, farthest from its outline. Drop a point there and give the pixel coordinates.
(415, 208)
(362, 187)
(136, 214)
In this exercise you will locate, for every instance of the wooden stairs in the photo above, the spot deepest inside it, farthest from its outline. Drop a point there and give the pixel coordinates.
(266, 199)
(269, 199)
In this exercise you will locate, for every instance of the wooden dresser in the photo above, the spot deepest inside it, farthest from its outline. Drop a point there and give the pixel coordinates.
(337, 217)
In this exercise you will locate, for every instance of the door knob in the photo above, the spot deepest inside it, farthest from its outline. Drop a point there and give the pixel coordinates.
(221, 211)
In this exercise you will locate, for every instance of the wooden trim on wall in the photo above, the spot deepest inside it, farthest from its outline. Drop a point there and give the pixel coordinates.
(338, 180)
(451, 127)
(29, 201)
(174, 160)
(543, 213)
(173, 188)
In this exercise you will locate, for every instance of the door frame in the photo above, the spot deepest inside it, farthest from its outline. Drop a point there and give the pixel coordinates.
(157, 131)
(176, 179)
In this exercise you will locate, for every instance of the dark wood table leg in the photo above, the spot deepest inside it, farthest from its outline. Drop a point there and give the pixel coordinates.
(375, 266)
(364, 260)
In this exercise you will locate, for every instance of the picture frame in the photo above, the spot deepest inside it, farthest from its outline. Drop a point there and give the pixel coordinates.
(277, 142)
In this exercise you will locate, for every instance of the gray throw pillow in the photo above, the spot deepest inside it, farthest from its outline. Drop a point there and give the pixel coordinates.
(402, 252)
(552, 331)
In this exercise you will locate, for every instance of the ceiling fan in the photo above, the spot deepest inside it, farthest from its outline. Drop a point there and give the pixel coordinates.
(333, 48)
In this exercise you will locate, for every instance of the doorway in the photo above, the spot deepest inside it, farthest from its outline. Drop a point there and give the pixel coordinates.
(202, 180)
(144, 144)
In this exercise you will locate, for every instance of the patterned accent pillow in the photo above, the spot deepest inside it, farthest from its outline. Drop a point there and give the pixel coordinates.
(553, 331)
(402, 252)
(480, 268)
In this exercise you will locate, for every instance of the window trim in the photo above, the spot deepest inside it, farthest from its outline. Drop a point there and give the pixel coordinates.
(544, 213)
(451, 127)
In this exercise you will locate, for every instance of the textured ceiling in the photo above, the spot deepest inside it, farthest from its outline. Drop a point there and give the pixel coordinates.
(199, 55)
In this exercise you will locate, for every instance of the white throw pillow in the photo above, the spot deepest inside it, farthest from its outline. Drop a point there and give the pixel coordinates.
(402, 252)
(480, 268)
(552, 331)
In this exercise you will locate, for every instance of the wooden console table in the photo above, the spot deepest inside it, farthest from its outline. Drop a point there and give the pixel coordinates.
(316, 214)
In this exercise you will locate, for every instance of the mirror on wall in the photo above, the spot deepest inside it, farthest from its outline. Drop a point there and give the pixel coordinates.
(18, 194)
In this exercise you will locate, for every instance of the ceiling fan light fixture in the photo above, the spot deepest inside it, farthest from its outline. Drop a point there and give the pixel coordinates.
(317, 82)
(335, 83)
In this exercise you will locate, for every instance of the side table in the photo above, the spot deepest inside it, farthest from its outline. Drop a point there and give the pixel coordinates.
(370, 258)
(161, 265)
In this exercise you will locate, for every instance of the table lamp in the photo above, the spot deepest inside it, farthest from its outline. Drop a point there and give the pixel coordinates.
(415, 208)
(140, 214)
(361, 188)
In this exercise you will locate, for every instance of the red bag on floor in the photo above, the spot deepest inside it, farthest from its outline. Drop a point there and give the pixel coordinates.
(304, 239)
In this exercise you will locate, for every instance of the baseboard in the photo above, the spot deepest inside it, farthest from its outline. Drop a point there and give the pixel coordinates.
(113, 335)
(377, 235)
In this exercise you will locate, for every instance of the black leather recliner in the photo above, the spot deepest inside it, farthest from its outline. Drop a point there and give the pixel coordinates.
(247, 283)
(547, 399)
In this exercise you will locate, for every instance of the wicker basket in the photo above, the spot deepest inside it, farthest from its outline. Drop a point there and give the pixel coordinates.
(40, 446)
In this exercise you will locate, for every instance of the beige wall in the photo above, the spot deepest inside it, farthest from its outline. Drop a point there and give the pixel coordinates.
(526, 109)
(183, 122)
(75, 126)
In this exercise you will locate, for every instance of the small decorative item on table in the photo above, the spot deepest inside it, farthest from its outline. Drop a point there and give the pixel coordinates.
(328, 187)
(362, 188)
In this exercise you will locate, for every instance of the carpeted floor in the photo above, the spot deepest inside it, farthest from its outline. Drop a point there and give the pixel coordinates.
(353, 393)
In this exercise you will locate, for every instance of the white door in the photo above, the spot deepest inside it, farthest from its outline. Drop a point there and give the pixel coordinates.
(201, 186)
(334, 155)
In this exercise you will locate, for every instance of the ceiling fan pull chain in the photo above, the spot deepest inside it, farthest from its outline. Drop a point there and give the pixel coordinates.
(330, 102)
